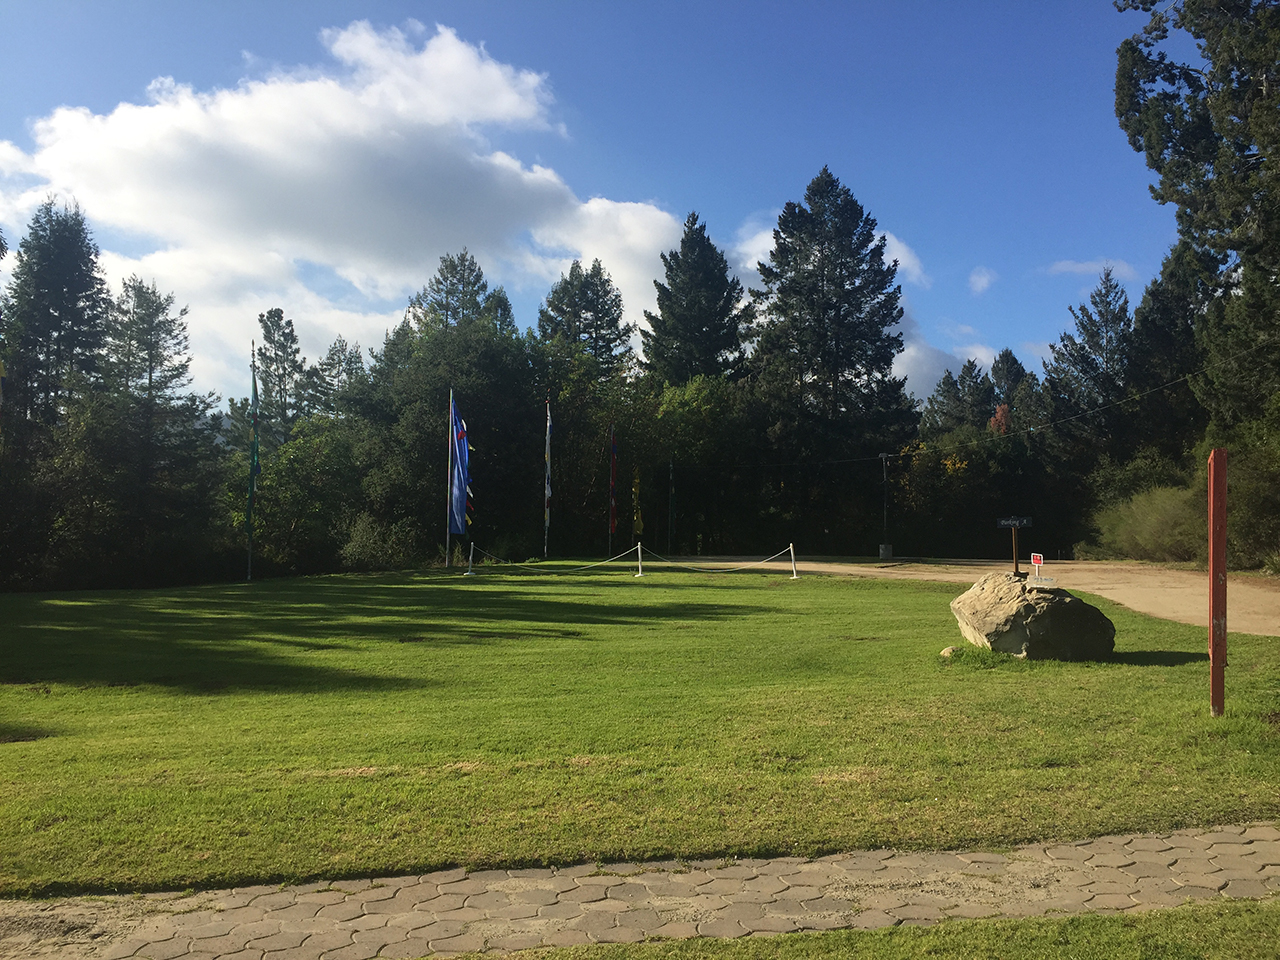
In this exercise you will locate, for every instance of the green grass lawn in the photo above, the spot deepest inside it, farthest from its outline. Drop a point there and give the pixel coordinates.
(356, 725)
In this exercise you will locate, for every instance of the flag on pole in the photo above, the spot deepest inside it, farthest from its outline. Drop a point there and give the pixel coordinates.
(459, 474)
(546, 514)
(255, 467)
(613, 481)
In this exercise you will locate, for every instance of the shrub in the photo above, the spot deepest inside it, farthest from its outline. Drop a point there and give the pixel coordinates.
(1162, 523)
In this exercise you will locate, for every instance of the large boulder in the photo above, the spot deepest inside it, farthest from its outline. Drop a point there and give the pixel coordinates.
(1005, 613)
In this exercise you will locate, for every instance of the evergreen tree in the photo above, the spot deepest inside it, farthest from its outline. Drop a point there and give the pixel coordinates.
(830, 300)
(966, 401)
(1089, 370)
(454, 296)
(146, 342)
(585, 308)
(324, 382)
(1210, 132)
(53, 326)
(1007, 372)
(280, 371)
(1163, 350)
(701, 322)
(943, 410)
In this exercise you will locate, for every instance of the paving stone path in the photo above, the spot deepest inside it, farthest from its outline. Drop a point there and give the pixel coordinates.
(503, 910)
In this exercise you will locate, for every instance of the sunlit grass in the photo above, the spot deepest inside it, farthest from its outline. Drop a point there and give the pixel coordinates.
(340, 726)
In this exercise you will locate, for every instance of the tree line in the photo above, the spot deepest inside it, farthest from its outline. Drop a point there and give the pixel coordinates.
(749, 419)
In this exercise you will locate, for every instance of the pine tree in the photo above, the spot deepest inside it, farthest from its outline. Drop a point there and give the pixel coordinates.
(1007, 372)
(1211, 133)
(454, 296)
(53, 326)
(964, 401)
(1089, 370)
(830, 300)
(585, 308)
(280, 371)
(701, 322)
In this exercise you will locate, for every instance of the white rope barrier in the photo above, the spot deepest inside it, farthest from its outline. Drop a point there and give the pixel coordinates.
(702, 568)
(640, 550)
(538, 568)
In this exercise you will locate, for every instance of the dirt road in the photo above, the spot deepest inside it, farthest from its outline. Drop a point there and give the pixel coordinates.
(1253, 602)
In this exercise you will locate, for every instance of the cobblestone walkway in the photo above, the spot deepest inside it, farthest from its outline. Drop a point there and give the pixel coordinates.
(502, 910)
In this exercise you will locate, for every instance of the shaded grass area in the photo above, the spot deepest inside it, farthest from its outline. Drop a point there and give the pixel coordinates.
(1220, 931)
(363, 725)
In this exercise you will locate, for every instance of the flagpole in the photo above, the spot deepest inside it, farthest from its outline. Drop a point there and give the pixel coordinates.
(448, 476)
(253, 455)
(613, 479)
(546, 490)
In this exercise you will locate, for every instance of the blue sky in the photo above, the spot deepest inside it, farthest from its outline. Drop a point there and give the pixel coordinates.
(322, 156)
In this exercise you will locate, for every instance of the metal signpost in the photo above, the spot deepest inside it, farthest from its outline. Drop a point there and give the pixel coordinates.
(1217, 579)
(1037, 561)
(1013, 523)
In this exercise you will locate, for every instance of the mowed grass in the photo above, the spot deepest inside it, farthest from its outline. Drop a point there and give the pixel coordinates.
(365, 725)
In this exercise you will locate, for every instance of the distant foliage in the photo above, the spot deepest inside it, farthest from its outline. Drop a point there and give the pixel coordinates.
(1165, 524)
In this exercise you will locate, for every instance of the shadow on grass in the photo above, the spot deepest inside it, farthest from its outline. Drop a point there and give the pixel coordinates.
(22, 733)
(276, 635)
(1158, 658)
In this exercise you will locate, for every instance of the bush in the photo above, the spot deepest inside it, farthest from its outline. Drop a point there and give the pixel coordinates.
(379, 546)
(1162, 524)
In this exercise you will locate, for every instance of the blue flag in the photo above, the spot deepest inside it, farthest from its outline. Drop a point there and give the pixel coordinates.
(459, 475)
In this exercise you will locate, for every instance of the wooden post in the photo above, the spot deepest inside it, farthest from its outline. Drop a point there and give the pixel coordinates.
(1217, 579)
(1016, 571)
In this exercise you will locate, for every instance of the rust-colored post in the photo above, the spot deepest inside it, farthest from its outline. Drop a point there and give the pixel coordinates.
(1217, 579)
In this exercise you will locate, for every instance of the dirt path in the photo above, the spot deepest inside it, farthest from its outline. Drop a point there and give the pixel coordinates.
(1253, 602)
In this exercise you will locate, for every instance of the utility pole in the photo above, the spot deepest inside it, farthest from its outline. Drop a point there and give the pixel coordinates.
(886, 548)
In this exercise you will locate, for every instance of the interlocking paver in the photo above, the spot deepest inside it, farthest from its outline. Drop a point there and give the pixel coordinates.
(1153, 844)
(874, 919)
(1246, 888)
(279, 941)
(722, 928)
(740, 912)
(763, 924)
(169, 949)
(631, 892)
(451, 911)
(560, 911)
(341, 911)
(642, 918)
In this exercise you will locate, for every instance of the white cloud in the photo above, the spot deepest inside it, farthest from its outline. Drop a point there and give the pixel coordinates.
(980, 279)
(920, 361)
(984, 354)
(908, 263)
(1121, 269)
(1040, 349)
(370, 169)
(752, 245)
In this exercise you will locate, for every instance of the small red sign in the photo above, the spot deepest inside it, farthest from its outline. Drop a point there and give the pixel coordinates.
(1037, 559)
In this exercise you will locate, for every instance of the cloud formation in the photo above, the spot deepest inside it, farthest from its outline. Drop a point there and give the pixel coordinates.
(920, 362)
(1121, 269)
(355, 176)
(908, 263)
(980, 279)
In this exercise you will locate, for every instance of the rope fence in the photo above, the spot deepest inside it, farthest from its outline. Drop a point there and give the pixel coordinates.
(640, 551)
